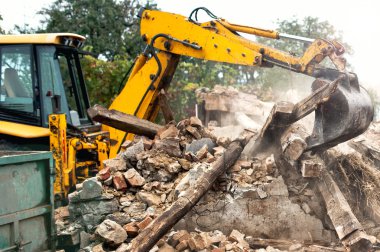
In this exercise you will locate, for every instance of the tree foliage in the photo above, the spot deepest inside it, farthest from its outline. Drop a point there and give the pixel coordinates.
(103, 79)
(192, 74)
(111, 27)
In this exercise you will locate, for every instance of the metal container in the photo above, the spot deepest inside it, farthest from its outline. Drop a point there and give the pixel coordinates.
(26, 202)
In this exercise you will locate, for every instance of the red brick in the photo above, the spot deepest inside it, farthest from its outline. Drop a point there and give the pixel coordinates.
(104, 174)
(179, 236)
(119, 181)
(132, 229)
(144, 223)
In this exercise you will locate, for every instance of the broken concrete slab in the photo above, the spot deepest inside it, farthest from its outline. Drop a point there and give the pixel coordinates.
(134, 178)
(274, 216)
(111, 232)
(91, 189)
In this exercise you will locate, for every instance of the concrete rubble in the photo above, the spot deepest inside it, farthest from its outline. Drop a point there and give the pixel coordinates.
(263, 203)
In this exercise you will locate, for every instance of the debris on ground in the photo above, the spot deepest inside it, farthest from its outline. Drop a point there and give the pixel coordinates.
(279, 200)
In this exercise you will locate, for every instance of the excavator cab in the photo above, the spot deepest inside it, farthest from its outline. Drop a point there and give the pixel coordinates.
(44, 102)
(41, 79)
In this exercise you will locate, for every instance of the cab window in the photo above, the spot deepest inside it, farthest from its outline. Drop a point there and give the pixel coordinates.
(16, 84)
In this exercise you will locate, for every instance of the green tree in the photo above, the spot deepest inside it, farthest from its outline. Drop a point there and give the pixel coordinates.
(103, 78)
(192, 74)
(110, 26)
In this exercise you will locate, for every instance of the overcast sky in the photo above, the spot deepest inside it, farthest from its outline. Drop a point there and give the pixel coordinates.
(358, 20)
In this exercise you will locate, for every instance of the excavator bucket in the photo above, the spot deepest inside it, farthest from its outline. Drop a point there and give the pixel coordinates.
(347, 113)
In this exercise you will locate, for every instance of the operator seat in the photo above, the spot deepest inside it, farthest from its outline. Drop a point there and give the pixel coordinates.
(13, 84)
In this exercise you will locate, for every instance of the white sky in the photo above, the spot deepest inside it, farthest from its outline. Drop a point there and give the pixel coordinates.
(358, 20)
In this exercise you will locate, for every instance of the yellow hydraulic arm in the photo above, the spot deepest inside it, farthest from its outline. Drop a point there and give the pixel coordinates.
(169, 35)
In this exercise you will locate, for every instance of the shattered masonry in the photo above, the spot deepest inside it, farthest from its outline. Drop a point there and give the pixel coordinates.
(262, 203)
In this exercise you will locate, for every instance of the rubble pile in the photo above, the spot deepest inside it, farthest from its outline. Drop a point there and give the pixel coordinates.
(142, 182)
(226, 106)
(356, 169)
(278, 200)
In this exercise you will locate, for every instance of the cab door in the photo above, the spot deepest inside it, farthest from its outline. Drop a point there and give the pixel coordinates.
(62, 86)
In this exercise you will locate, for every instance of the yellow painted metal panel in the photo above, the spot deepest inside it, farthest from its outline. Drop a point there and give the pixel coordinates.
(215, 47)
(43, 38)
(132, 95)
(22, 130)
(58, 146)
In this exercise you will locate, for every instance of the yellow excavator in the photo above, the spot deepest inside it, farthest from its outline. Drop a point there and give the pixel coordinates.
(44, 100)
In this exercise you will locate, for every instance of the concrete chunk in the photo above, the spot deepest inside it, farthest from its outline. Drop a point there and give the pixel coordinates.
(134, 178)
(111, 232)
(149, 198)
(91, 189)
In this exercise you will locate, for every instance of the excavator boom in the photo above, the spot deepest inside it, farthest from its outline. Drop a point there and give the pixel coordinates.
(347, 113)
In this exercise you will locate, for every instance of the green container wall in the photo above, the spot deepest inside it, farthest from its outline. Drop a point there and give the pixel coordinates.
(26, 202)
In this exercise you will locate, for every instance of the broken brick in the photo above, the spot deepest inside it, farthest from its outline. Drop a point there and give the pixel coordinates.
(235, 168)
(210, 158)
(185, 164)
(168, 145)
(202, 153)
(144, 223)
(119, 181)
(219, 150)
(171, 131)
(132, 229)
(104, 174)
(245, 164)
(166, 248)
(181, 235)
